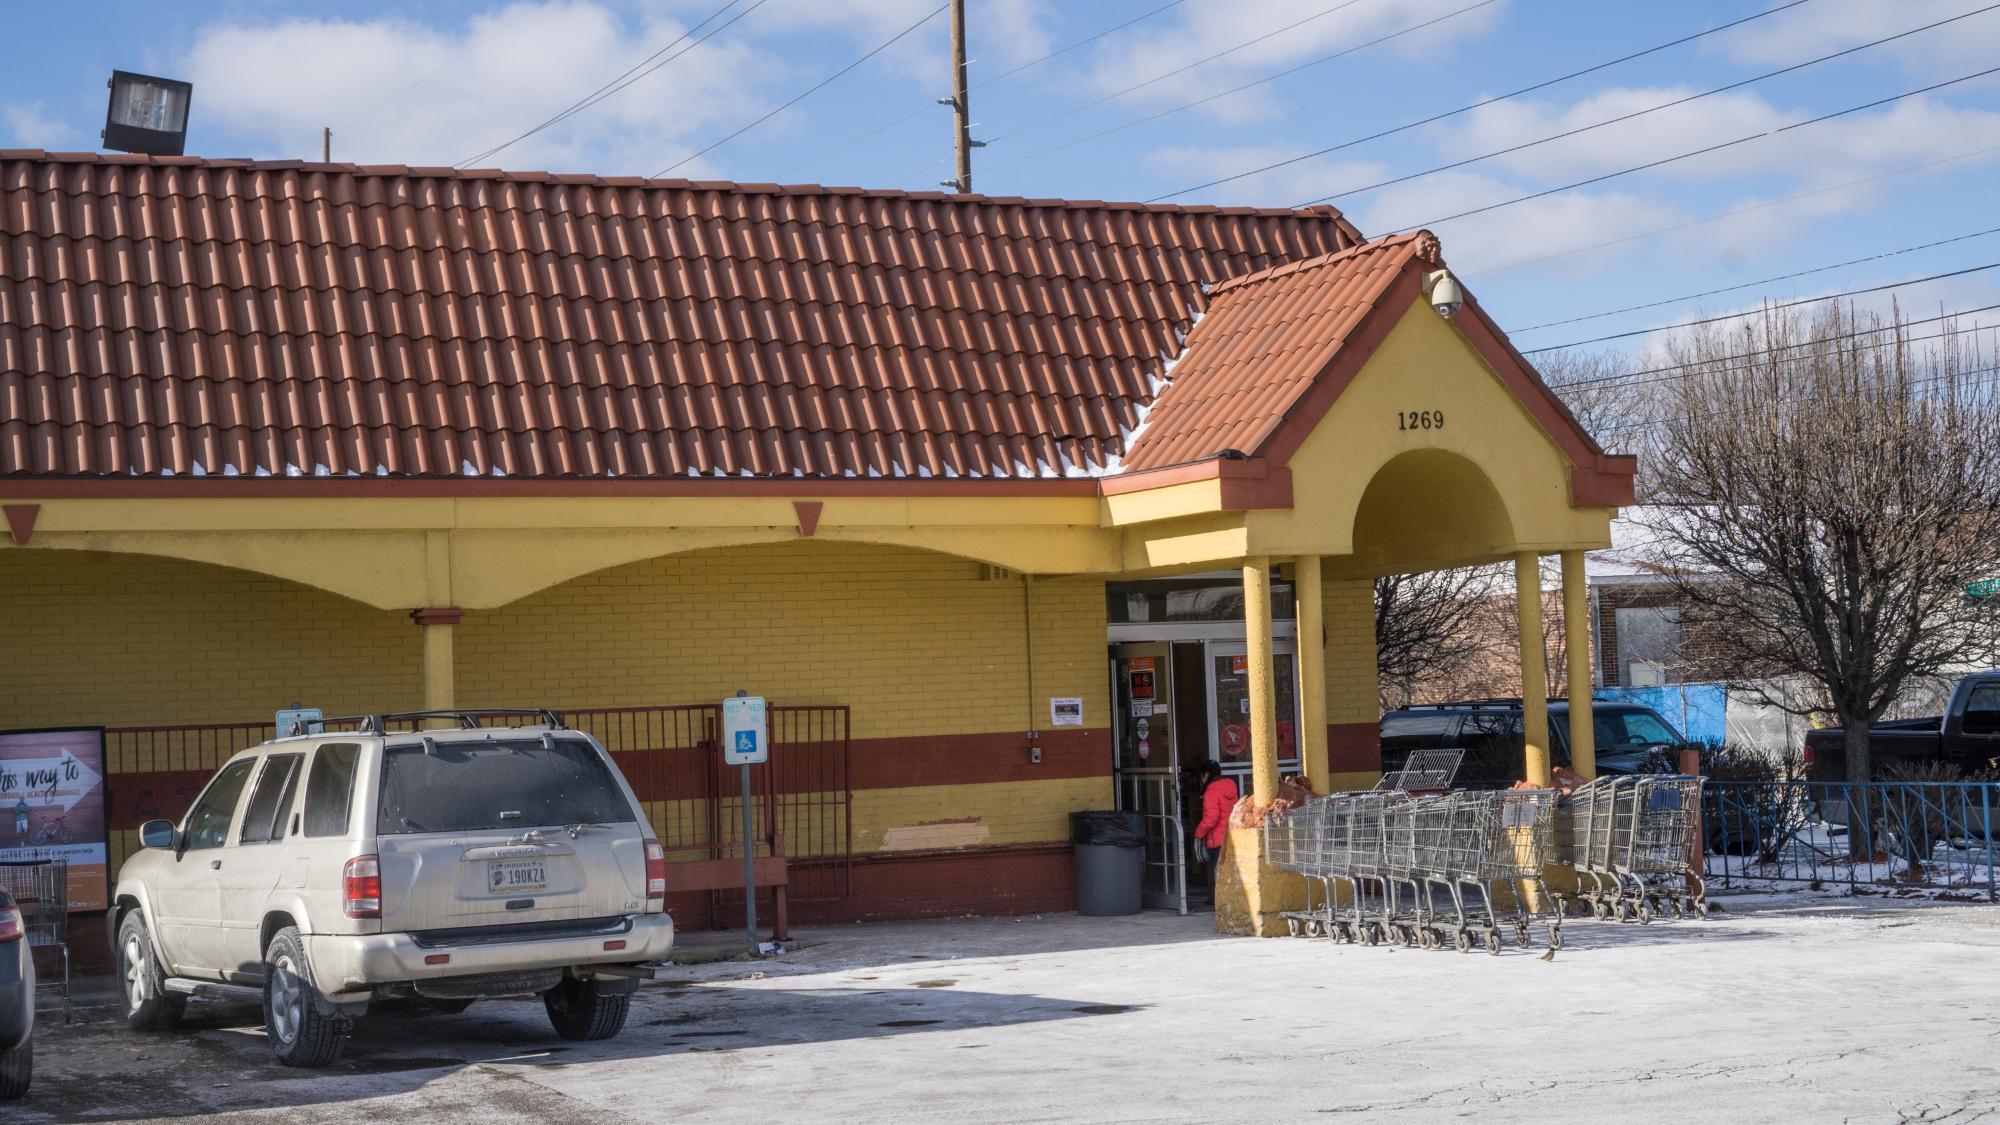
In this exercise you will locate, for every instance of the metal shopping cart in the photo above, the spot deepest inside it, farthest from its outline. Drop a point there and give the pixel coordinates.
(40, 888)
(1659, 855)
(1423, 770)
(1416, 838)
(1518, 836)
(1633, 844)
(1295, 841)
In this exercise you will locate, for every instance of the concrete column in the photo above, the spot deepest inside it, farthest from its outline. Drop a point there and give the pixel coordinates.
(1311, 597)
(1576, 644)
(1263, 699)
(1534, 670)
(440, 672)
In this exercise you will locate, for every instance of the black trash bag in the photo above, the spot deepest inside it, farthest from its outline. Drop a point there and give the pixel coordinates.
(1107, 828)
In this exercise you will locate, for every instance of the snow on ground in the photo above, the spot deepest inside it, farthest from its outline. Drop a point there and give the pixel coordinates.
(1784, 1008)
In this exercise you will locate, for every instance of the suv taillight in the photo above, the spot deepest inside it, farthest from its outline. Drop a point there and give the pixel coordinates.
(361, 887)
(656, 875)
(10, 924)
(1806, 754)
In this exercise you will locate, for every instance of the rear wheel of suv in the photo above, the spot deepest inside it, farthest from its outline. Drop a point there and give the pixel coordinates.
(17, 1070)
(148, 1004)
(578, 1011)
(301, 1030)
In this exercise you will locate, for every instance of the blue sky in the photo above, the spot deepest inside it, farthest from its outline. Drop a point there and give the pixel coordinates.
(426, 82)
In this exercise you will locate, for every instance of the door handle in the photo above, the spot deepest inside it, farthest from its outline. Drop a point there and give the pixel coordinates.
(215, 865)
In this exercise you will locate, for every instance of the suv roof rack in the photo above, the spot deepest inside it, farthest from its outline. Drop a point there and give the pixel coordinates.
(467, 718)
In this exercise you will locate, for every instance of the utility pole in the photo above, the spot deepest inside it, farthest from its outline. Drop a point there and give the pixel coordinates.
(961, 105)
(326, 144)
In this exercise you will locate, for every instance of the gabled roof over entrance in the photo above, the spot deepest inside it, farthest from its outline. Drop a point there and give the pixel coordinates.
(185, 317)
(1277, 348)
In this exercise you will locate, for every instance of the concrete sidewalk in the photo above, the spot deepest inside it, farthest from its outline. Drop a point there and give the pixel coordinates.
(1780, 1010)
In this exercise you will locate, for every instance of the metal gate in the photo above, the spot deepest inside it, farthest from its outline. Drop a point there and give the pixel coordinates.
(802, 798)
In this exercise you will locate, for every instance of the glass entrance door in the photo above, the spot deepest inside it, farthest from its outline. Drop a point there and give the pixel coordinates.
(1228, 668)
(1145, 765)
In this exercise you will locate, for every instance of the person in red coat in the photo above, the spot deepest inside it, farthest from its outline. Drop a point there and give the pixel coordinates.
(1218, 800)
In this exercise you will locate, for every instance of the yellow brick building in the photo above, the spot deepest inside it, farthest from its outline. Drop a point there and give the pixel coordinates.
(939, 476)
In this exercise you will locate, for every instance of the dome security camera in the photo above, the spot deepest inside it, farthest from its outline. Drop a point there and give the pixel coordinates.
(1446, 297)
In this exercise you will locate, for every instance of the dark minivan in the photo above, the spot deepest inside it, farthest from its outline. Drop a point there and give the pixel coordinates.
(1489, 731)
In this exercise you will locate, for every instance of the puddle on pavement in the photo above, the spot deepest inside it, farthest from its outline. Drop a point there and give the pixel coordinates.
(909, 1023)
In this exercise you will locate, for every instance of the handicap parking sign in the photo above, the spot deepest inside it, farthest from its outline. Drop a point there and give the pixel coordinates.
(744, 739)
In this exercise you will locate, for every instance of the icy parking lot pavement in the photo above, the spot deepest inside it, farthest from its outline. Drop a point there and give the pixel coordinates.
(1781, 1009)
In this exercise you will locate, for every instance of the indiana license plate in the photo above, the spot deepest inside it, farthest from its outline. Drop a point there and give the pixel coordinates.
(505, 877)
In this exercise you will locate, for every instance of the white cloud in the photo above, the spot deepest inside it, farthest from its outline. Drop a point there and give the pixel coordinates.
(1904, 133)
(279, 82)
(1524, 230)
(1205, 29)
(1825, 26)
(28, 125)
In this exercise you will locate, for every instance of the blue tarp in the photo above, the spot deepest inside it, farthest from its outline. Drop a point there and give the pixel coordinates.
(1699, 711)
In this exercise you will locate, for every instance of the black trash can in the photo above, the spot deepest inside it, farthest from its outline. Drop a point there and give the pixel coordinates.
(1110, 861)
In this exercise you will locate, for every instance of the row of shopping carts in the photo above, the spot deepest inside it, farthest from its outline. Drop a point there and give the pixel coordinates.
(1425, 871)
(1426, 867)
(1635, 845)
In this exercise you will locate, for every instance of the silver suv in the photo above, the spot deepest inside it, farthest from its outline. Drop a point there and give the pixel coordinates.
(320, 872)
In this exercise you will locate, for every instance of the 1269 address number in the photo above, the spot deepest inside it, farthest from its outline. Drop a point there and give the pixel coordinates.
(1420, 419)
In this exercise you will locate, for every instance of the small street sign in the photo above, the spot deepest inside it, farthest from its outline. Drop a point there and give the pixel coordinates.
(745, 742)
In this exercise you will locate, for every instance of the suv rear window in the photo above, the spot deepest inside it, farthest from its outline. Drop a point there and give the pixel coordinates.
(502, 784)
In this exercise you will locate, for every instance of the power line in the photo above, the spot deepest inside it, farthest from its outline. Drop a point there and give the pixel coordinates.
(1762, 281)
(1621, 118)
(1182, 69)
(1992, 375)
(1698, 152)
(1764, 309)
(1719, 216)
(808, 92)
(1005, 74)
(455, 58)
(633, 74)
(1434, 118)
(1245, 86)
(1668, 369)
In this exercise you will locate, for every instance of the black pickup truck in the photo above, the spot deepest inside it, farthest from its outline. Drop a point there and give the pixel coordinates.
(1967, 735)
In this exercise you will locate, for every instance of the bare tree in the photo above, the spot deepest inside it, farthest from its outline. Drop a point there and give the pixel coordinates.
(1431, 628)
(1830, 491)
(1617, 408)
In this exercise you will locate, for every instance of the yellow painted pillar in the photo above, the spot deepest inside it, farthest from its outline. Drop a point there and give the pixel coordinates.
(440, 671)
(1310, 596)
(1251, 896)
(1263, 699)
(1534, 669)
(1576, 644)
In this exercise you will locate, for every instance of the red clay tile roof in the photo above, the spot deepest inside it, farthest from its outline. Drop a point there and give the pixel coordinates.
(1260, 347)
(206, 317)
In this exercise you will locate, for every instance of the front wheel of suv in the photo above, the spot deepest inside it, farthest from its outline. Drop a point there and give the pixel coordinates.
(578, 1011)
(148, 1004)
(303, 1032)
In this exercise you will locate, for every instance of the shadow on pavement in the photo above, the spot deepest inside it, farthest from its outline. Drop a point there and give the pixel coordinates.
(882, 944)
(219, 1061)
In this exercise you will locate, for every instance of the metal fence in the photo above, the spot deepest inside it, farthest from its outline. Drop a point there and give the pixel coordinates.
(803, 796)
(1878, 835)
